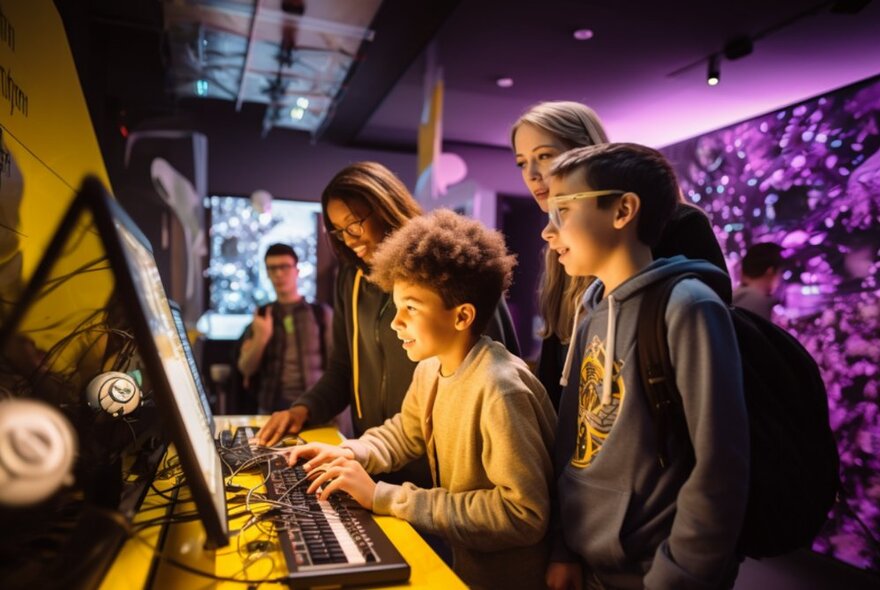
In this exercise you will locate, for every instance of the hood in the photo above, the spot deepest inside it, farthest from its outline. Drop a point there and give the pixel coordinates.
(657, 271)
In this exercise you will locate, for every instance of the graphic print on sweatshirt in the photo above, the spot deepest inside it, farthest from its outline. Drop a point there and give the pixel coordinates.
(594, 419)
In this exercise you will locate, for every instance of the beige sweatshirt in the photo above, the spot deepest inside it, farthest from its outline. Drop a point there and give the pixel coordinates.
(487, 431)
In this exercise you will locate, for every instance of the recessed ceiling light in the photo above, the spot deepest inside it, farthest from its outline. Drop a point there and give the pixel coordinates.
(504, 82)
(583, 34)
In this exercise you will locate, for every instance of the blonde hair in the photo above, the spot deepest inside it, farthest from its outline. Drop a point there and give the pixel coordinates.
(575, 125)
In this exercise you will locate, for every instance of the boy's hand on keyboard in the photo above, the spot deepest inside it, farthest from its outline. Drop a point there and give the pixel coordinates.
(345, 475)
(316, 454)
(281, 423)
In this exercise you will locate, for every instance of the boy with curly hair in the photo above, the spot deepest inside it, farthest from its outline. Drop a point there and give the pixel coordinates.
(482, 419)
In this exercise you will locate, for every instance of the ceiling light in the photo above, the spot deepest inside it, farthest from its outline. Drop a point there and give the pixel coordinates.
(714, 74)
(296, 113)
(302, 102)
(201, 87)
(504, 82)
(583, 34)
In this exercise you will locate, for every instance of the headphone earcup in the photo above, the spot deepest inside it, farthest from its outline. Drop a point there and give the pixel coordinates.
(37, 451)
(114, 392)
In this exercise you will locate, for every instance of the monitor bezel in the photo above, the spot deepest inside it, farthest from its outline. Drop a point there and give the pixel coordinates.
(177, 314)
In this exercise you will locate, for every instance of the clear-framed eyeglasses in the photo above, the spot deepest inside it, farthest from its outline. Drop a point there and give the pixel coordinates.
(553, 203)
(355, 229)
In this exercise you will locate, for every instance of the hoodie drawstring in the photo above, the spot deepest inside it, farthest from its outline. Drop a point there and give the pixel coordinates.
(354, 341)
(610, 338)
(569, 355)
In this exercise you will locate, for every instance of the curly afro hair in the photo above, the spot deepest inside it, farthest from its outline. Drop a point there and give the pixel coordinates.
(457, 257)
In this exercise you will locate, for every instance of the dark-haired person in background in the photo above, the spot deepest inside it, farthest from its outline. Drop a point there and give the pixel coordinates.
(285, 350)
(761, 276)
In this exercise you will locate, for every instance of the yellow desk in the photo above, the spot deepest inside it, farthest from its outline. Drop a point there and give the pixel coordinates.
(184, 563)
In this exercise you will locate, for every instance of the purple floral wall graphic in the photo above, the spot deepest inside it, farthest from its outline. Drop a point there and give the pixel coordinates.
(808, 177)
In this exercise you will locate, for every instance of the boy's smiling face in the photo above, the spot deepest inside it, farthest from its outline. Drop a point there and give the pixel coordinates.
(424, 324)
(586, 236)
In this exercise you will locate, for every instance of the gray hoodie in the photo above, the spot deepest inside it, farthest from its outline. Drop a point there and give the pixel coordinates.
(631, 522)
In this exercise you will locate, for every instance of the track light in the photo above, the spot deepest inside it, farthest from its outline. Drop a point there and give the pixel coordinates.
(714, 74)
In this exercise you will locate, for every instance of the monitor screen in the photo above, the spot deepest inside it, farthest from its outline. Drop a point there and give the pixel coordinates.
(177, 316)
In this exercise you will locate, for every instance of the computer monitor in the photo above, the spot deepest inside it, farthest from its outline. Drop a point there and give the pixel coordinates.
(96, 303)
(177, 315)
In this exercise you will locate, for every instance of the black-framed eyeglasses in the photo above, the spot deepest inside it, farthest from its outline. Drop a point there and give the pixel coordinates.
(285, 267)
(355, 229)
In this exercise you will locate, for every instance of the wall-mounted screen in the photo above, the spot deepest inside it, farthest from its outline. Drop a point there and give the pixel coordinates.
(239, 237)
(807, 177)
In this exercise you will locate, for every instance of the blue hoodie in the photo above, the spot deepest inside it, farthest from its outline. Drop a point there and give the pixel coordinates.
(631, 522)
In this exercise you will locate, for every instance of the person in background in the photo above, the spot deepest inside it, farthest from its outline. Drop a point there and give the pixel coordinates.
(473, 409)
(543, 132)
(761, 277)
(368, 369)
(625, 520)
(285, 349)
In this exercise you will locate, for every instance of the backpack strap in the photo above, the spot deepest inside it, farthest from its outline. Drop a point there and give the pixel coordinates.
(318, 312)
(655, 366)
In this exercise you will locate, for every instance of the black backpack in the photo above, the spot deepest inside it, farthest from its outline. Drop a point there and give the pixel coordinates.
(794, 474)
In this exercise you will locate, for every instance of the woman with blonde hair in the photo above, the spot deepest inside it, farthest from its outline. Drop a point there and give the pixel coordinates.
(543, 132)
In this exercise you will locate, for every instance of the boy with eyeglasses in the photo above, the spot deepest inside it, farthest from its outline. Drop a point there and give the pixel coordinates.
(284, 350)
(625, 520)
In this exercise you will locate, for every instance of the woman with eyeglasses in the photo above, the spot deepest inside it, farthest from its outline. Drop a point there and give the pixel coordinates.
(543, 132)
(368, 367)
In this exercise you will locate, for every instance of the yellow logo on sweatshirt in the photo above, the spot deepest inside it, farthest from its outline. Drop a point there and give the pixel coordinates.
(595, 420)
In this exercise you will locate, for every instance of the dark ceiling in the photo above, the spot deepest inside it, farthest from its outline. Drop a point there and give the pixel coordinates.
(644, 70)
(634, 71)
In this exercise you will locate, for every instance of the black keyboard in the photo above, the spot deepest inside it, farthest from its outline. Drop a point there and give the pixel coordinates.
(333, 542)
(235, 450)
(322, 532)
(238, 454)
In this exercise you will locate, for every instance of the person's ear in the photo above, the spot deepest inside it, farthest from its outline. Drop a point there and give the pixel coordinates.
(628, 206)
(465, 314)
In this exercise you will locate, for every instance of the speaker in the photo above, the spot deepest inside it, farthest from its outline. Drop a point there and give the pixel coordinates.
(37, 451)
(114, 392)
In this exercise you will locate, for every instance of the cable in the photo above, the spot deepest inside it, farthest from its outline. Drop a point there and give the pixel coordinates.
(204, 574)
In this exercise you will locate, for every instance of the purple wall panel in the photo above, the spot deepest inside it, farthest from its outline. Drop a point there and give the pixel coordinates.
(808, 177)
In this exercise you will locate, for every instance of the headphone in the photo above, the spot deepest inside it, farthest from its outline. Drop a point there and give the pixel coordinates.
(115, 393)
(37, 451)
